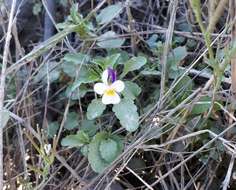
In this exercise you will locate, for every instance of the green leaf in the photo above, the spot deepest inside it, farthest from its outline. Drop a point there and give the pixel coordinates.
(89, 127)
(95, 109)
(134, 63)
(203, 105)
(98, 61)
(111, 148)
(191, 43)
(97, 163)
(71, 121)
(77, 93)
(173, 61)
(124, 56)
(84, 150)
(110, 40)
(126, 112)
(52, 69)
(85, 76)
(103, 150)
(119, 141)
(150, 72)
(74, 14)
(108, 149)
(69, 69)
(137, 164)
(72, 62)
(64, 3)
(185, 26)
(184, 84)
(5, 118)
(179, 53)
(111, 60)
(131, 91)
(76, 58)
(37, 8)
(183, 88)
(152, 41)
(176, 56)
(108, 61)
(107, 14)
(63, 25)
(54, 75)
(76, 140)
(52, 129)
(177, 40)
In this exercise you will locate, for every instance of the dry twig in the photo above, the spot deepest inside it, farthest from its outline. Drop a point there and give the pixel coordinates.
(2, 86)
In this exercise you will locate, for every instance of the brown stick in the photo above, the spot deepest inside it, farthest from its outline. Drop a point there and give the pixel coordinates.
(131, 27)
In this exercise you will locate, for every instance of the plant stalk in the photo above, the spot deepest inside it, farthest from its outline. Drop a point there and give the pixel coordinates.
(2, 86)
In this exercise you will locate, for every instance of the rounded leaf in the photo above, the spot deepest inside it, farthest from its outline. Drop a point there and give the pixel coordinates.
(52, 129)
(108, 149)
(76, 140)
(110, 40)
(134, 63)
(107, 14)
(126, 112)
(131, 91)
(71, 121)
(97, 163)
(95, 109)
(104, 149)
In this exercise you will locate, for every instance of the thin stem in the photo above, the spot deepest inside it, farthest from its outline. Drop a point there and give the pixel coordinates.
(2, 86)
(169, 35)
(217, 14)
(197, 11)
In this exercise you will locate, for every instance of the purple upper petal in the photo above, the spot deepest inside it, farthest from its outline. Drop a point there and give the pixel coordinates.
(111, 75)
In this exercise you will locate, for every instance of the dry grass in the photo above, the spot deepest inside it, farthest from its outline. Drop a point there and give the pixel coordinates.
(169, 151)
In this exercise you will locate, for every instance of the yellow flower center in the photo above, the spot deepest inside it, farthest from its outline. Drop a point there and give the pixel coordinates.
(110, 92)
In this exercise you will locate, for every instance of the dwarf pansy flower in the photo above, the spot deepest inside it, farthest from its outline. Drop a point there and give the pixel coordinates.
(110, 87)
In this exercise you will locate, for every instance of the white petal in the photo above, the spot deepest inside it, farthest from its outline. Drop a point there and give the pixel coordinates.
(47, 148)
(111, 99)
(100, 88)
(105, 76)
(118, 86)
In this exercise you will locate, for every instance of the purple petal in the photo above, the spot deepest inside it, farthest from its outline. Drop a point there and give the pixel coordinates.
(111, 75)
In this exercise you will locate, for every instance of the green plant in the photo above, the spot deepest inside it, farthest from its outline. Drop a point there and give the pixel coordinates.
(100, 75)
(113, 91)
